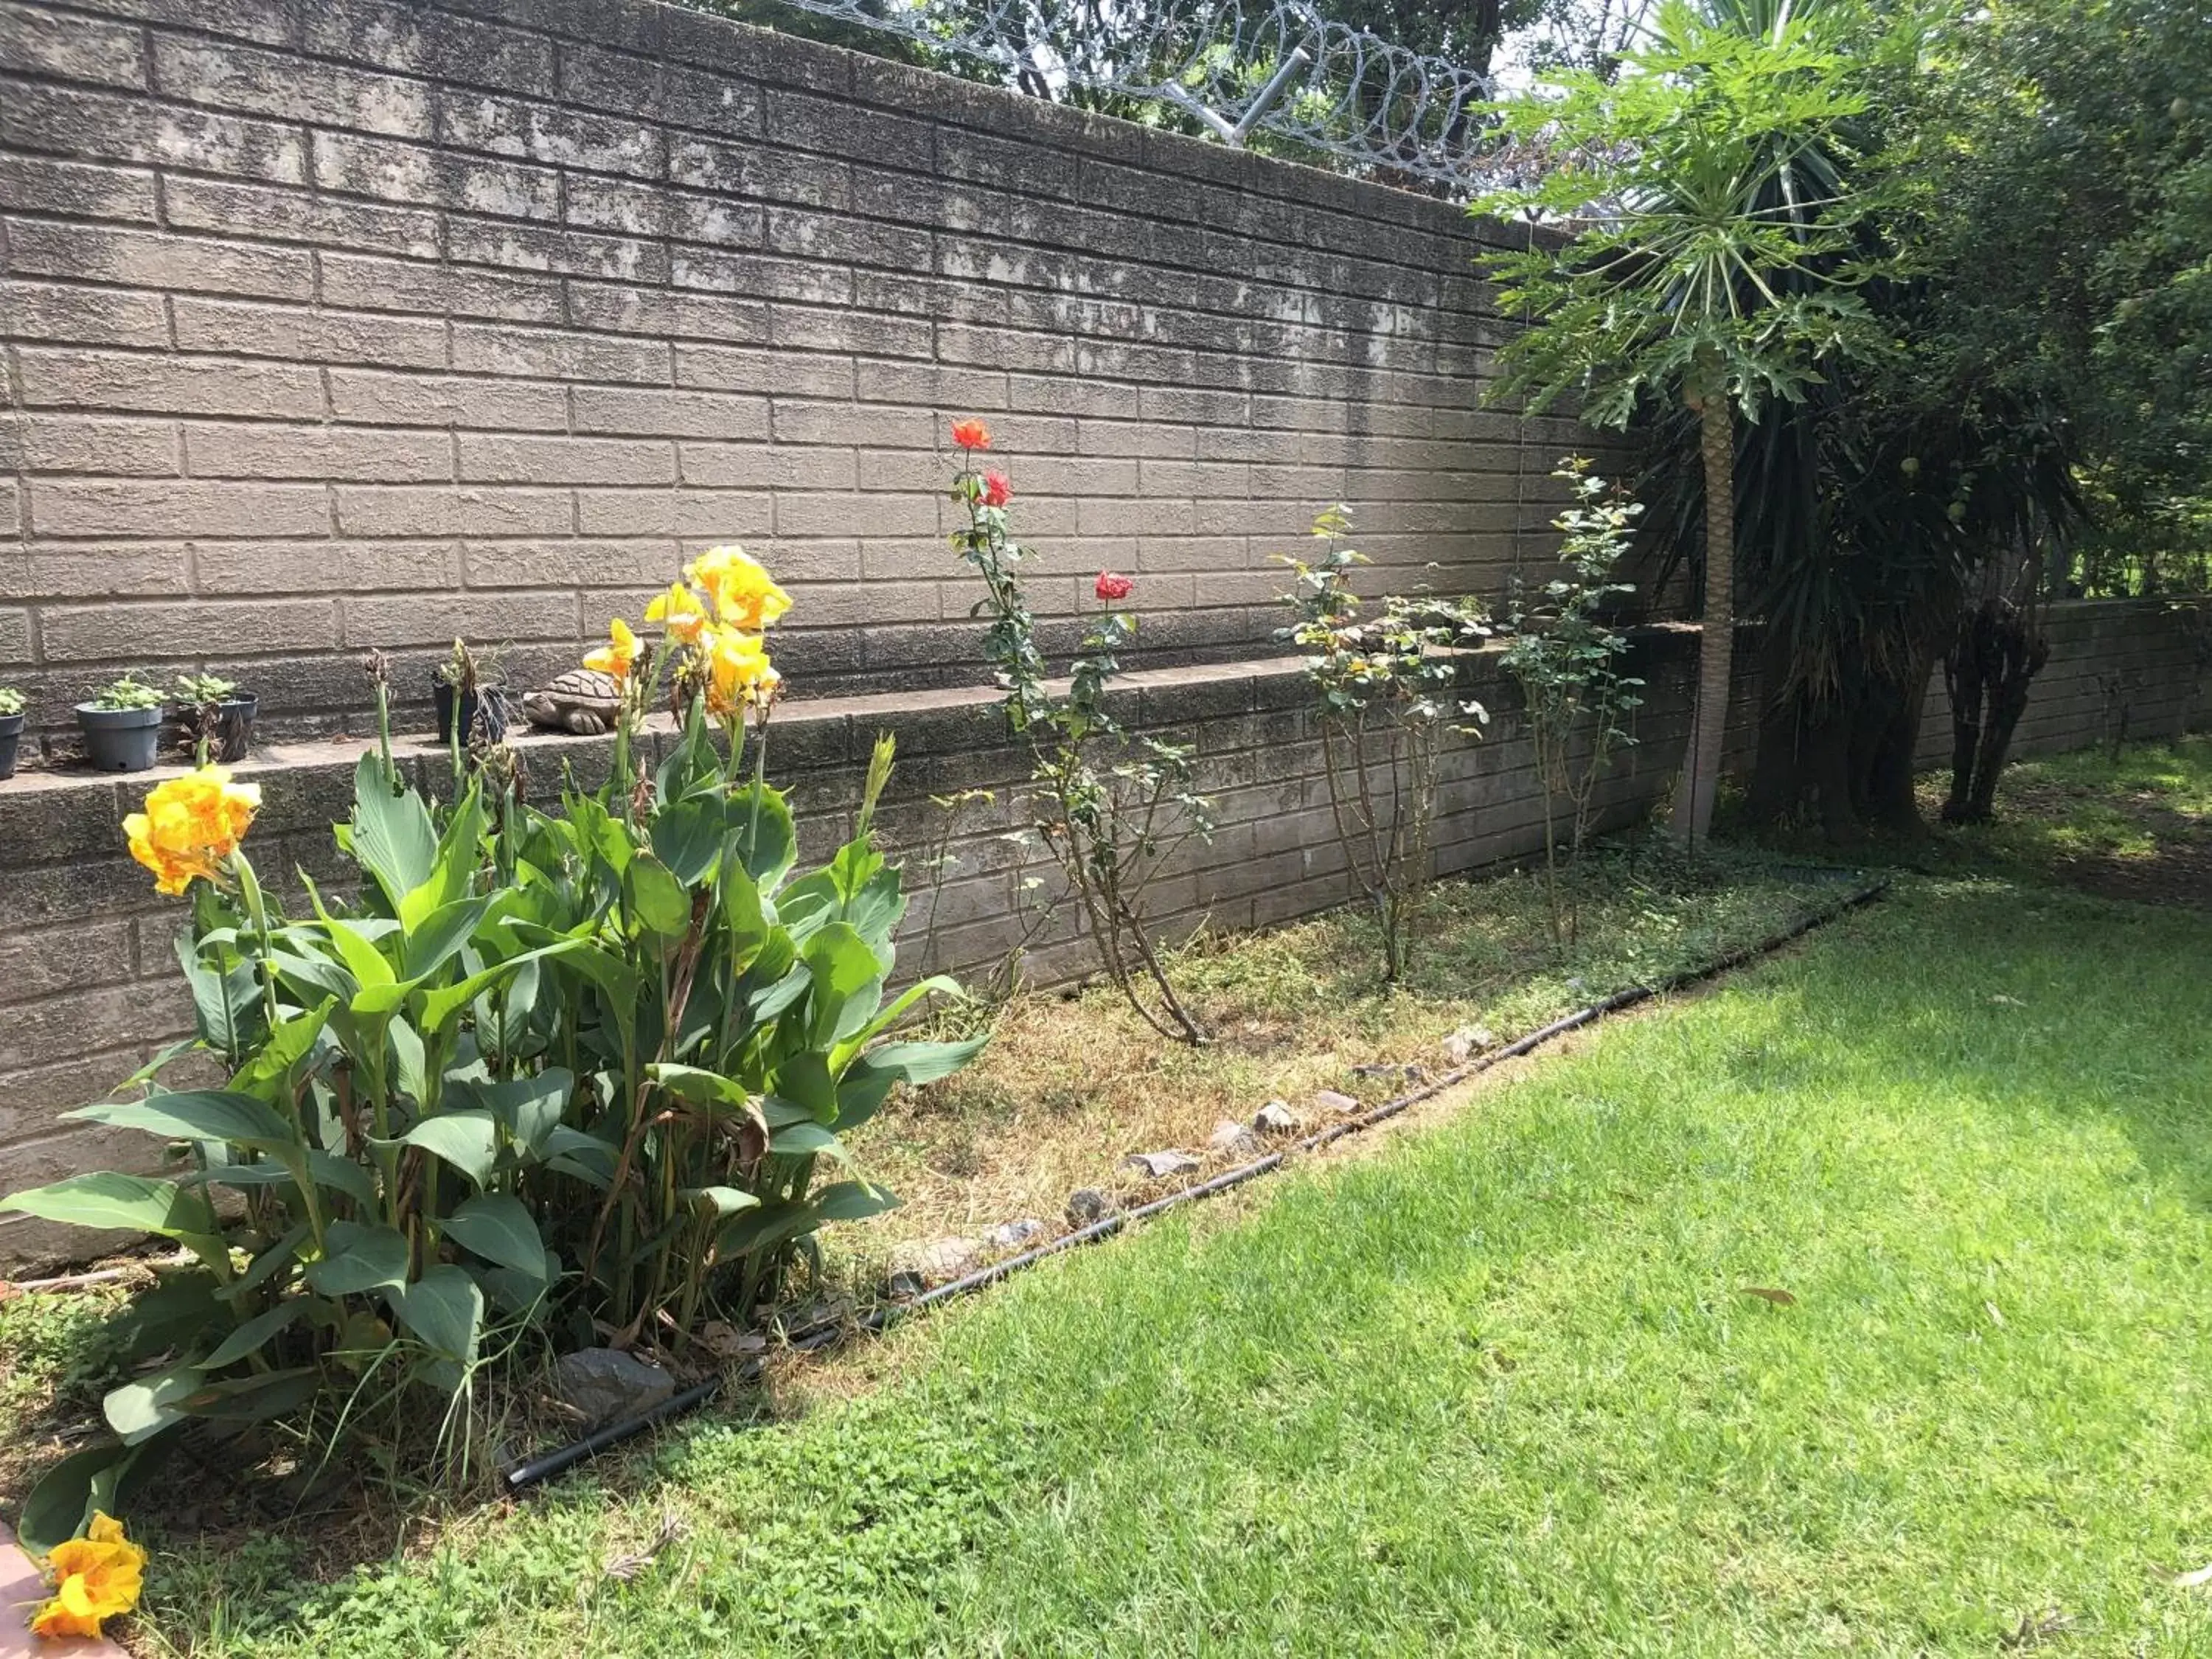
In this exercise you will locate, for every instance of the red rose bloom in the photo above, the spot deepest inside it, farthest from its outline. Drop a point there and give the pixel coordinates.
(1111, 586)
(997, 492)
(971, 435)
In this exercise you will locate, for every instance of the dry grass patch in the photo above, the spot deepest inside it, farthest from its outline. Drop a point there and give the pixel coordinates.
(1071, 1084)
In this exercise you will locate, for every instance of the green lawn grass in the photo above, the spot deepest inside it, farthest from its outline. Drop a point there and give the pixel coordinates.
(1500, 1389)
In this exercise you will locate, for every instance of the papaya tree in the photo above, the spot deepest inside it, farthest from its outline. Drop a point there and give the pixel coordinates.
(1712, 253)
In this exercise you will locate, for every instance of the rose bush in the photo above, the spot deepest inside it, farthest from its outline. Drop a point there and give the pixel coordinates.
(1110, 823)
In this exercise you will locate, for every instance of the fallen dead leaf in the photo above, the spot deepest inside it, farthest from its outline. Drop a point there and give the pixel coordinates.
(2032, 1628)
(627, 1567)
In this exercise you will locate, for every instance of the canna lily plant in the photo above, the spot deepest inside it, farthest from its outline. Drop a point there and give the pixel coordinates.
(96, 1578)
(541, 1075)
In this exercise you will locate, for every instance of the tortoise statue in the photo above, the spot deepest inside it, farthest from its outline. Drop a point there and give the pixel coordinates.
(583, 701)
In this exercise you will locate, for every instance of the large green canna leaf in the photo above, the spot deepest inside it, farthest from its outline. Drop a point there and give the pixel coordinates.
(687, 835)
(100, 1477)
(761, 831)
(504, 1014)
(393, 834)
(656, 900)
(224, 1000)
(272, 1075)
(469, 1140)
(356, 947)
(176, 1311)
(443, 1311)
(527, 1107)
(804, 1080)
(308, 967)
(808, 1140)
(441, 1007)
(698, 1085)
(857, 888)
(145, 1405)
(324, 1168)
(586, 1157)
(131, 1203)
(357, 1258)
(748, 920)
(255, 1398)
(452, 867)
(923, 1062)
(410, 1059)
(720, 1201)
(853, 1200)
(199, 1115)
(936, 985)
(848, 983)
(255, 1332)
(765, 1228)
(434, 940)
(498, 1227)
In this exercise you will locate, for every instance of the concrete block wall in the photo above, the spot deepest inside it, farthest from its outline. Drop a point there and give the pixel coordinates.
(332, 324)
(2120, 670)
(90, 987)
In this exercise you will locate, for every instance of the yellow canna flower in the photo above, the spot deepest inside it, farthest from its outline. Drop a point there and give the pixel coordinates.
(738, 673)
(745, 596)
(190, 825)
(679, 612)
(616, 656)
(95, 1577)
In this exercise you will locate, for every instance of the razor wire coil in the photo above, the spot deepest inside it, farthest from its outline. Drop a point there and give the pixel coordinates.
(1234, 66)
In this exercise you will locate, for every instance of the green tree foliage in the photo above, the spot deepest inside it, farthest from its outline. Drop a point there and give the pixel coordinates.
(1716, 253)
(2064, 152)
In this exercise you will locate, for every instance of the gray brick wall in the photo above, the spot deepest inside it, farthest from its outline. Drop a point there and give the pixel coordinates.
(88, 981)
(89, 988)
(2119, 669)
(338, 326)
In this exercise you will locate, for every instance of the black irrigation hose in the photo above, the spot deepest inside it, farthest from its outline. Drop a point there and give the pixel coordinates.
(881, 1317)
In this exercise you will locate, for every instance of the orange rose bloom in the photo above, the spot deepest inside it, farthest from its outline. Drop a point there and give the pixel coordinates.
(95, 1577)
(678, 611)
(190, 825)
(616, 656)
(745, 597)
(971, 435)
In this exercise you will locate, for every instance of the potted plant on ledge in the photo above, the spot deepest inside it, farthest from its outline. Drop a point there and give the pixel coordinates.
(122, 725)
(11, 728)
(218, 717)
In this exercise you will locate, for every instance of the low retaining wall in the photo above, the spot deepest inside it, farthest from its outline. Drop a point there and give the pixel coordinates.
(89, 987)
(88, 980)
(2120, 669)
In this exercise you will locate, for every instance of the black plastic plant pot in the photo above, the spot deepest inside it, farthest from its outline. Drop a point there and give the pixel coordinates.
(234, 727)
(11, 733)
(484, 710)
(120, 739)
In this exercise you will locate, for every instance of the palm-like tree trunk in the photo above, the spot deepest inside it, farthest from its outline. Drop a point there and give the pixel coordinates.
(1701, 767)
